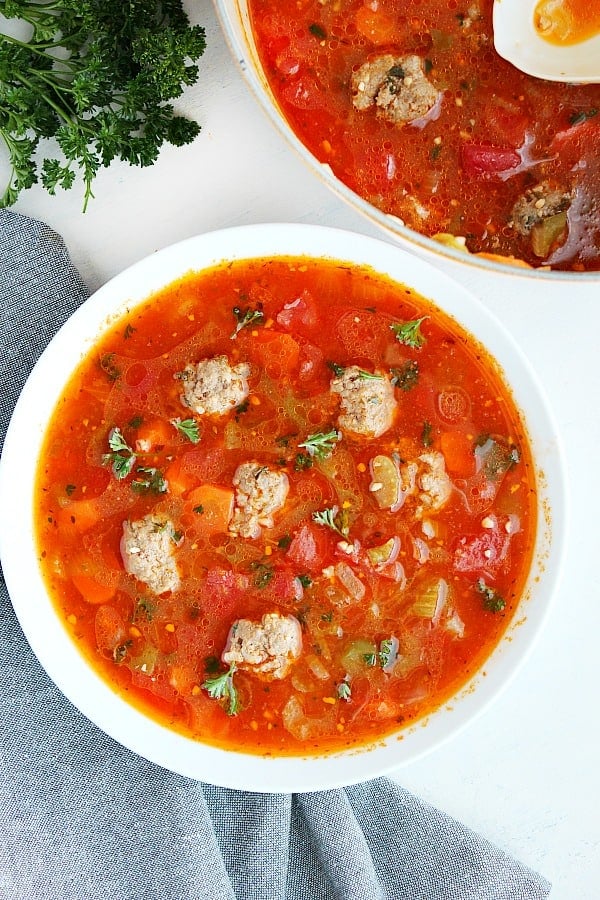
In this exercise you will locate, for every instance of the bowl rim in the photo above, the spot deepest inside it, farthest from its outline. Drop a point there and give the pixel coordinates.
(247, 60)
(48, 636)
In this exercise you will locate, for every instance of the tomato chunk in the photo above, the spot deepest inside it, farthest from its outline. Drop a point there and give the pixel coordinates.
(487, 160)
(308, 550)
(479, 552)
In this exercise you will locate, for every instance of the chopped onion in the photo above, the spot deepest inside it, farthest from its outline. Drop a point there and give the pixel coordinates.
(455, 625)
(420, 550)
(317, 668)
(351, 582)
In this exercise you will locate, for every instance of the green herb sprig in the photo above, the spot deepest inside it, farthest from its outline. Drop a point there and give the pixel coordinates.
(221, 687)
(322, 444)
(409, 333)
(189, 428)
(108, 98)
(246, 317)
(121, 458)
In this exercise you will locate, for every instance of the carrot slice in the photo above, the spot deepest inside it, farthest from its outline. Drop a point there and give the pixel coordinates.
(91, 590)
(78, 516)
(153, 433)
(377, 26)
(458, 453)
(213, 508)
(179, 479)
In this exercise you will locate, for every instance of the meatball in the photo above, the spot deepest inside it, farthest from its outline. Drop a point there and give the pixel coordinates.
(397, 86)
(213, 387)
(147, 552)
(368, 405)
(267, 648)
(435, 485)
(260, 492)
(538, 203)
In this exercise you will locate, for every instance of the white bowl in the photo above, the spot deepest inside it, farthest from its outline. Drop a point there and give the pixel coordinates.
(41, 624)
(235, 21)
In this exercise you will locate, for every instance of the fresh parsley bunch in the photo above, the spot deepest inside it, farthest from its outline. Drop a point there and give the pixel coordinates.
(96, 75)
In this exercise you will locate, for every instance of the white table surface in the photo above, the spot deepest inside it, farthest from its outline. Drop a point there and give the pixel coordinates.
(526, 774)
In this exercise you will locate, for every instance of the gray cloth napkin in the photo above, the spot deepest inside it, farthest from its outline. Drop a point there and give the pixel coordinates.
(81, 817)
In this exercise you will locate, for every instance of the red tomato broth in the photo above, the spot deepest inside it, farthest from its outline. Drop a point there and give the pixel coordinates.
(462, 169)
(158, 651)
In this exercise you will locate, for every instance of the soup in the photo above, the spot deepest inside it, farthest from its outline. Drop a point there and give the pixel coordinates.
(286, 506)
(410, 107)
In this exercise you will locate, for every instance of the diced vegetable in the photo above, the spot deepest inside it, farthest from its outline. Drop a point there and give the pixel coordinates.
(384, 554)
(375, 25)
(351, 582)
(213, 506)
(486, 160)
(357, 656)
(547, 232)
(431, 601)
(91, 590)
(386, 483)
(457, 450)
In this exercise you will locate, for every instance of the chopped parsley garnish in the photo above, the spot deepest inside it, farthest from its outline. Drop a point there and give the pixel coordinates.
(221, 687)
(435, 152)
(284, 439)
(154, 480)
(144, 609)
(495, 456)
(369, 376)
(69, 489)
(199, 509)
(189, 428)
(136, 421)
(263, 573)
(302, 461)
(305, 581)
(284, 542)
(211, 665)
(241, 408)
(406, 377)
(107, 364)
(426, 434)
(318, 31)
(336, 369)
(409, 333)
(579, 117)
(344, 691)
(246, 317)
(388, 653)
(321, 445)
(396, 72)
(333, 518)
(121, 458)
(370, 659)
(492, 600)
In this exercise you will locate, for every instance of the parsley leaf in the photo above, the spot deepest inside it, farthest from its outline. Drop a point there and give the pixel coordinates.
(221, 687)
(344, 691)
(246, 317)
(492, 600)
(409, 333)
(406, 377)
(188, 428)
(121, 458)
(333, 518)
(153, 482)
(321, 445)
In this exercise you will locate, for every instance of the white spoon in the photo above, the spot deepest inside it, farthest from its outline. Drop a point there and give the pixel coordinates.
(517, 40)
